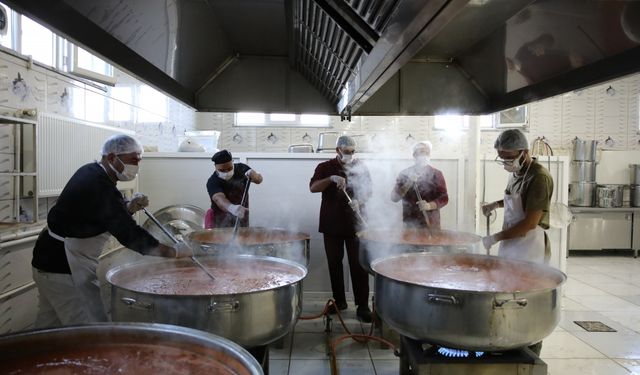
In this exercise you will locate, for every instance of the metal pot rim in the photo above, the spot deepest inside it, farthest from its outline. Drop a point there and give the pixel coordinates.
(304, 236)
(183, 333)
(362, 235)
(562, 275)
(121, 268)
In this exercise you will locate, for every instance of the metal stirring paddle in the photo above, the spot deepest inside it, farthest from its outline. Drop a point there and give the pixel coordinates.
(170, 235)
(357, 211)
(424, 213)
(235, 226)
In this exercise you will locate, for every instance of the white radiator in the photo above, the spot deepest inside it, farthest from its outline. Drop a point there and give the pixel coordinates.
(65, 144)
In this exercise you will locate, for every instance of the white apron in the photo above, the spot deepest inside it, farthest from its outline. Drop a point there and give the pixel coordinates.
(82, 254)
(531, 247)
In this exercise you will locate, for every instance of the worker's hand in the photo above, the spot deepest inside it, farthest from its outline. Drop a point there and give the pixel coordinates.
(247, 174)
(355, 205)
(426, 206)
(237, 210)
(183, 250)
(409, 182)
(488, 242)
(340, 182)
(138, 201)
(489, 207)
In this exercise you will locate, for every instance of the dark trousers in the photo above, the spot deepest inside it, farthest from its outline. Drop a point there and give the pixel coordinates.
(334, 248)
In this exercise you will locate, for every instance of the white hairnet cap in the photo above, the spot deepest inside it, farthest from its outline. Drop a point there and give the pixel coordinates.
(121, 144)
(346, 141)
(421, 145)
(511, 140)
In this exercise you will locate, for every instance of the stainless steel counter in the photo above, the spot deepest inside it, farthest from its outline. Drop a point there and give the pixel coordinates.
(599, 228)
(577, 210)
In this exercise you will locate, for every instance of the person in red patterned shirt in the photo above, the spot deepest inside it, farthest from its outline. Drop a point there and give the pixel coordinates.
(431, 185)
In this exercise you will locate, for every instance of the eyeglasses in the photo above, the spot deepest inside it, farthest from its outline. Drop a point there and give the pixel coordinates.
(347, 152)
(502, 161)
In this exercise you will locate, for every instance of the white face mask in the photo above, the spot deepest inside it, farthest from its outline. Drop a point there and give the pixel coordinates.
(422, 160)
(129, 172)
(346, 158)
(225, 175)
(515, 166)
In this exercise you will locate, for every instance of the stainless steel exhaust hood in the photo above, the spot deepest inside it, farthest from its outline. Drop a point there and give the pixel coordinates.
(373, 57)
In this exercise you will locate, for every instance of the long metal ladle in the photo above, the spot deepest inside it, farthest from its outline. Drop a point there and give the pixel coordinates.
(357, 211)
(424, 213)
(175, 240)
(234, 234)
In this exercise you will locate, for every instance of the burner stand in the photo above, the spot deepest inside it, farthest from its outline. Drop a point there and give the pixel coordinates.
(261, 354)
(419, 358)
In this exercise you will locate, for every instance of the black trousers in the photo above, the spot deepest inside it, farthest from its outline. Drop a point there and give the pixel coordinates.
(334, 248)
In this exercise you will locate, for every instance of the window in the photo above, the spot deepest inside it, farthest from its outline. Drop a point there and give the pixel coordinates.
(37, 41)
(7, 32)
(120, 109)
(451, 122)
(152, 99)
(280, 119)
(486, 121)
(95, 107)
(250, 119)
(516, 117)
(90, 66)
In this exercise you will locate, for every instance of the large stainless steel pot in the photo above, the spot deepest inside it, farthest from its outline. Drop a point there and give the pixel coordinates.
(584, 150)
(582, 194)
(251, 318)
(123, 348)
(583, 171)
(610, 195)
(634, 197)
(378, 243)
(277, 243)
(635, 174)
(468, 301)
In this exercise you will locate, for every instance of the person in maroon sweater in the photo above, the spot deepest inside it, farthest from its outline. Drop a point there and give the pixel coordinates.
(432, 187)
(339, 221)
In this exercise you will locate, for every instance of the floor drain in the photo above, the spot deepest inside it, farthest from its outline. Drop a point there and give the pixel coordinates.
(594, 326)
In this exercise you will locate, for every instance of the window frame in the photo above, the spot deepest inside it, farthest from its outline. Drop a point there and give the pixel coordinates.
(296, 123)
(74, 68)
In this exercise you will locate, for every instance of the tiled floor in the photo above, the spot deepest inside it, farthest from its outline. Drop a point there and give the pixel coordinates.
(605, 289)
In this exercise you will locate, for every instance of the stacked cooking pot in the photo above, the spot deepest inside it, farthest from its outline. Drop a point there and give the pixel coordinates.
(582, 189)
(634, 197)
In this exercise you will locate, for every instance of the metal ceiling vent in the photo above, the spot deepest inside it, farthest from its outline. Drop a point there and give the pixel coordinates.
(330, 38)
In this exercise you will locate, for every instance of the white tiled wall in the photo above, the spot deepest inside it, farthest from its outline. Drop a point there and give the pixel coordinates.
(46, 91)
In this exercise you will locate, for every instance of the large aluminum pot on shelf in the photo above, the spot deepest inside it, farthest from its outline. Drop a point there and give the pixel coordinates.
(123, 348)
(468, 301)
(253, 300)
(377, 243)
(277, 243)
(584, 150)
(582, 194)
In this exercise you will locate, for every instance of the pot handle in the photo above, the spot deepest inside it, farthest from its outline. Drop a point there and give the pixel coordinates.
(228, 306)
(510, 303)
(442, 298)
(135, 304)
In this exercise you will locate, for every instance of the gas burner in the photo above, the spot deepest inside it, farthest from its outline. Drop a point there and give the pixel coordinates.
(457, 353)
(419, 357)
